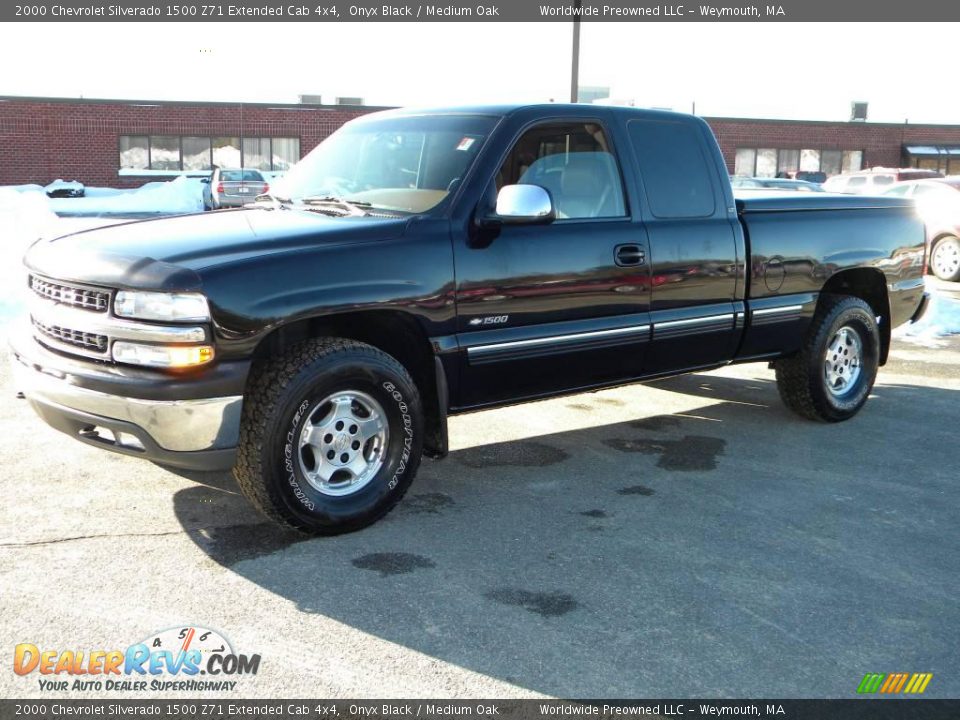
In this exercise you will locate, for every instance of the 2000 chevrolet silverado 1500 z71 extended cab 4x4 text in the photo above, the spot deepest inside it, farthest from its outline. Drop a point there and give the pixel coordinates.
(417, 264)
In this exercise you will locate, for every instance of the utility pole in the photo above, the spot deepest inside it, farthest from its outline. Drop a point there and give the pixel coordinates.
(575, 67)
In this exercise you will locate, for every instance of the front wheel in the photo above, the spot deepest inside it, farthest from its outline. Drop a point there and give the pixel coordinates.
(330, 437)
(945, 259)
(831, 377)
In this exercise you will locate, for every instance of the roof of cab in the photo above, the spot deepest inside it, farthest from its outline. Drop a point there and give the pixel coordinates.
(533, 108)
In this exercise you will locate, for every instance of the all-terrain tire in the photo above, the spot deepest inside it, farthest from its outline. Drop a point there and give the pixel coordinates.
(285, 397)
(804, 380)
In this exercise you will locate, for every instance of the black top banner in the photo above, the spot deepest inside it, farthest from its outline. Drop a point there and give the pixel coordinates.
(487, 11)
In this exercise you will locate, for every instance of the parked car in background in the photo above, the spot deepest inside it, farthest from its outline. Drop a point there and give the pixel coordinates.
(811, 176)
(869, 182)
(65, 189)
(763, 183)
(232, 188)
(938, 202)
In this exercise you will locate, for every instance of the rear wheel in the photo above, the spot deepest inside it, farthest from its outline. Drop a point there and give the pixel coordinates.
(331, 436)
(945, 259)
(831, 377)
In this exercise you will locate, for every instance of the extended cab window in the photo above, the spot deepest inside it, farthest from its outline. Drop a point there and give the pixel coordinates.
(574, 163)
(675, 172)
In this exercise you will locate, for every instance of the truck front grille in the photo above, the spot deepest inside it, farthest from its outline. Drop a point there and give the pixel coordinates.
(91, 342)
(72, 295)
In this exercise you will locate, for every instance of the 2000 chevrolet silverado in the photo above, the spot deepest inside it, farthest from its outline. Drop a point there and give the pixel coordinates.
(418, 264)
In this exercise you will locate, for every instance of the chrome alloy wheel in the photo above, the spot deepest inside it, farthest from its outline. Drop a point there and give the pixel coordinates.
(843, 361)
(946, 259)
(343, 443)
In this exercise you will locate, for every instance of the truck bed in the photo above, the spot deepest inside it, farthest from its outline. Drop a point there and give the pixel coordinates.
(797, 242)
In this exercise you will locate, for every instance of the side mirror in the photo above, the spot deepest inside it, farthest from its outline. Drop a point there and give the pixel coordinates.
(523, 205)
(205, 181)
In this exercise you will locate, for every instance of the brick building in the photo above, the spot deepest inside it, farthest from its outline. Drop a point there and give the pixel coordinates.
(119, 143)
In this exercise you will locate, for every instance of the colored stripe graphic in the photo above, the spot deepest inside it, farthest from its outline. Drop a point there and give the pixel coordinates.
(918, 683)
(870, 683)
(903, 679)
(894, 683)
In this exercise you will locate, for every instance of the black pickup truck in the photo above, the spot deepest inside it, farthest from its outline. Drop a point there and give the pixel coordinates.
(422, 263)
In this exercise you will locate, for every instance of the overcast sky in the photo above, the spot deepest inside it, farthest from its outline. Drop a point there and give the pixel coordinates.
(796, 70)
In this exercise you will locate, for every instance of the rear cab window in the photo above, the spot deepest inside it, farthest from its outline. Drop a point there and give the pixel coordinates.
(674, 168)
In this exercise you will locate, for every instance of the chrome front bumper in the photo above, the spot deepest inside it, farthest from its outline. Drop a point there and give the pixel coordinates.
(196, 434)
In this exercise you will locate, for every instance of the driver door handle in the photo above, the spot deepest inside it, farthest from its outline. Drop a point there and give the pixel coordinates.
(626, 255)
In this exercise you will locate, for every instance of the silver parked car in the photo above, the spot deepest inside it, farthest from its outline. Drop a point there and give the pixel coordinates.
(232, 188)
(763, 183)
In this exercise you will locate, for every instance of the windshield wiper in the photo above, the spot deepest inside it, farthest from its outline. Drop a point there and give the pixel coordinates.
(275, 199)
(351, 207)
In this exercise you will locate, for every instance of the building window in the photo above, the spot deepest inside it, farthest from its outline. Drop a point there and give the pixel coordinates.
(810, 160)
(196, 153)
(226, 152)
(766, 162)
(164, 152)
(285, 152)
(830, 162)
(770, 162)
(852, 160)
(788, 161)
(745, 163)
(134, 152)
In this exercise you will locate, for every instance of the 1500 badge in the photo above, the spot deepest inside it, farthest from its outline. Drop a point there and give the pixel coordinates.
(489, 320)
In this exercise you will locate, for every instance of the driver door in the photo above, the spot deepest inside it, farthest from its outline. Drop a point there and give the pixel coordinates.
(543, 308)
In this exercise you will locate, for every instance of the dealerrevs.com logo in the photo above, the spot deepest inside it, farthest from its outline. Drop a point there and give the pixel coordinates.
(189, 658)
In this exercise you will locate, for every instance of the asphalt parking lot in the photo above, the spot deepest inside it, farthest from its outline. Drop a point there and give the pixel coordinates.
(685, 538)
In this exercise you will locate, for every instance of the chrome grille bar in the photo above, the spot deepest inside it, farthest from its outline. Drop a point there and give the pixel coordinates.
(69, 294)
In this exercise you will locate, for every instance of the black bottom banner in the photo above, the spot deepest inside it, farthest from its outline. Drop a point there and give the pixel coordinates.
(875, 709)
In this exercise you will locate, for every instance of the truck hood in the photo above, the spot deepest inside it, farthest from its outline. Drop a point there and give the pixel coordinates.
(171, 253)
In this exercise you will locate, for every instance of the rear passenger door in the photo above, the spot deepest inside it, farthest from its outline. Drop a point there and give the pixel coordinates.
(695, 246)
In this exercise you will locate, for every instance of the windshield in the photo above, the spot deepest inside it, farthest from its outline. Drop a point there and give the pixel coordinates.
(401, 164)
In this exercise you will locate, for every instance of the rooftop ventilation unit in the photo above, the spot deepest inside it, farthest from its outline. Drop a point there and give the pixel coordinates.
(858, 112)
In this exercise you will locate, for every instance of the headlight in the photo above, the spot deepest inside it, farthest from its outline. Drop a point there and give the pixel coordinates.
(161, 306)
(166, 356)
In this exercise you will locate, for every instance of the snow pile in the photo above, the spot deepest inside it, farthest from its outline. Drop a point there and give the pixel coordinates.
(26, 214)
(941, 318)
(24, 217)
(183, 195)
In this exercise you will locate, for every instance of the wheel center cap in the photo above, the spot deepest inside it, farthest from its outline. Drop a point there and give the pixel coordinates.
(341, 442)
